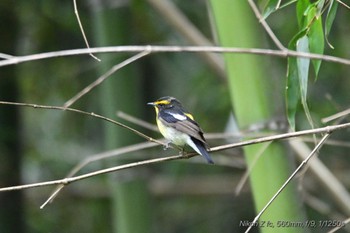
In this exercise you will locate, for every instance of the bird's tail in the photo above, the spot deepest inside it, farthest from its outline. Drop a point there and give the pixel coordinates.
(200, 148)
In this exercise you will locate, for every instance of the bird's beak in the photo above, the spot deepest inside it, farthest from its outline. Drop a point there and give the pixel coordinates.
(151, 103)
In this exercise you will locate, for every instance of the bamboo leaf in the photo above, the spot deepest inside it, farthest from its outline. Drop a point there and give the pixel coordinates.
(319, 7)
(332, 10)
(285, 4)
(302, 8)
(292, 91)
(293, 86)
(315, 36)
(302, 45)
(303, 65)
(271, 6)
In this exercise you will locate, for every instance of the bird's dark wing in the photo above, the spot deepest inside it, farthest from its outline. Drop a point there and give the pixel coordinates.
(184, 124)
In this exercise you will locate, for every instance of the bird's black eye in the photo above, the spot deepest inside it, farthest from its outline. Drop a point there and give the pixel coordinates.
(165, 105)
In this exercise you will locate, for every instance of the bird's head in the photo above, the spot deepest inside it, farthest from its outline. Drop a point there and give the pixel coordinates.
(166, 102)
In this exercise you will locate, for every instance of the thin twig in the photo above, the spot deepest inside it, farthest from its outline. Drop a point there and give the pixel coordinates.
(84, 113)
(266, 26)
(330, 142)
(246, 174)
(96, 157)
(5, 56)
(342, 3)
(67, 181)
(137, 121)
(104, 77)
(336, 116)
(76, 12)
(346, 221)
(326, 129)
(317, 147)
(323, 175)
(172, 49)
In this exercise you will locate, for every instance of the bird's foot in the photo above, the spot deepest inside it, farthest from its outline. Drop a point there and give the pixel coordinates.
(166, 146)
(183, 153)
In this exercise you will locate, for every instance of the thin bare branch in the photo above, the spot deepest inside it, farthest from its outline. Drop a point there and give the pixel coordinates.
(246, 174)
(104, 77)
(172, 49)
(266, 26)
(84, 113)
(5, 56)
(96, 157)
(327, 129)
(336, 116)
(343, 4)
(345, 222)
(67, 181)
(324, 176)
(305, 161)
(330, 142)
(76, 12)
(137, 121)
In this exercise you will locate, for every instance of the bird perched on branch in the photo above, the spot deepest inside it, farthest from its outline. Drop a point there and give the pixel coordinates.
(178, 126)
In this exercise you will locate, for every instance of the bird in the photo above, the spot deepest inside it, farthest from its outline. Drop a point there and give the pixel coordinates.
(179, 127)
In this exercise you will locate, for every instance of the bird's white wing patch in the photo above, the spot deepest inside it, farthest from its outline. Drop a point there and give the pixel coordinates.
(179, 116)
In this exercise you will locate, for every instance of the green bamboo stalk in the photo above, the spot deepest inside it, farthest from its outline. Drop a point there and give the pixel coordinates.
(248, 83)
(121, 91)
